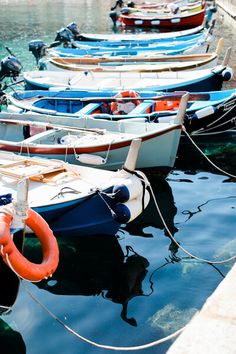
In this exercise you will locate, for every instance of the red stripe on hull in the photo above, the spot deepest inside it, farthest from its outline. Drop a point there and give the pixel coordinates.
(71, 150)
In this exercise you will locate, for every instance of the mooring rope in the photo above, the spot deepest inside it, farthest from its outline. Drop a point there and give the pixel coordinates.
(181, 247)
(164, 339)
(98, 345)
(131, 348)
(207, 158)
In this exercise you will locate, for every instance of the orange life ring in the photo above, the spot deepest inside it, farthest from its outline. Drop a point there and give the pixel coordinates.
(123, 94)
(16, 261)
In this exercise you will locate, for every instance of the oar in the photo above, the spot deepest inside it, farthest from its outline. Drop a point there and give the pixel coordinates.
(175, 96)
(10, 52)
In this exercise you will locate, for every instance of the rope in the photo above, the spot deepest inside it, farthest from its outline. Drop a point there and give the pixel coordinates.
(211, 126)
(131, 348)
(69, 329)
(17, 274)
(207, 158)
(177, 244)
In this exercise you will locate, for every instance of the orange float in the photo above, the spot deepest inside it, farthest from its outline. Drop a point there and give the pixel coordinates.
(124, 94)
(14, 258)
(162, 105)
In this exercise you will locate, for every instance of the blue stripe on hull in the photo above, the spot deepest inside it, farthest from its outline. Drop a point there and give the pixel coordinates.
(87, 216)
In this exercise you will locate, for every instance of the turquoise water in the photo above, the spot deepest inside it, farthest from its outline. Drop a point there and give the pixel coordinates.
(137, 287)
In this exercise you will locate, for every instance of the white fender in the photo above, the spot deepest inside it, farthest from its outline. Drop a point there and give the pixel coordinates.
(130, 189)
(90, 159)
(204, 112)
(126, 212)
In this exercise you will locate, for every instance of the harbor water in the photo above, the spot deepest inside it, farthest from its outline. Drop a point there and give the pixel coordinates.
(136, 287)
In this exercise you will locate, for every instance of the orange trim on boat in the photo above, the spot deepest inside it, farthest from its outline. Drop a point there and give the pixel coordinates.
(168, 105)
(14, 258)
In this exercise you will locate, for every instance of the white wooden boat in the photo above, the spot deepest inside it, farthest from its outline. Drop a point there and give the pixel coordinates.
(98, 142)
(76, 200)
(140, 36)
(185, 80)
(140, 64)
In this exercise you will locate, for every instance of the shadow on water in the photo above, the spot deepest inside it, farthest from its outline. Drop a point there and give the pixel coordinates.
(10, 340)
(9, 281)
(219, 148)
(150, 217)
(95, 265)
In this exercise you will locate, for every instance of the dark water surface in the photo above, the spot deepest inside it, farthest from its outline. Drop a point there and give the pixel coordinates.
(138, 287)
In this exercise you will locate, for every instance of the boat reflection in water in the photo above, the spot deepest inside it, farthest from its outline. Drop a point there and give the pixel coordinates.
(151, 216)
(97, 265)
(9, 281)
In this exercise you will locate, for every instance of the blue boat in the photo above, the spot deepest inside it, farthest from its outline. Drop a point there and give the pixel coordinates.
(206, 111)
(142, 43)
(151, 49)
(195, 80)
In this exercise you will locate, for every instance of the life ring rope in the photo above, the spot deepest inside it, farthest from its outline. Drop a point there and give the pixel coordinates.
(20, 265)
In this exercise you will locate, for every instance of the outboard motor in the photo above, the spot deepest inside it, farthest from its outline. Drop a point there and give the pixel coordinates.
(38, 48)
(131, 4)
(65, 36)
(73, 27)
(10, 67)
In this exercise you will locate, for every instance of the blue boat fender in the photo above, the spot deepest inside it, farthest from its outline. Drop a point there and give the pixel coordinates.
(227, 74)
(204, 112)
(130, 189)
(126, 212)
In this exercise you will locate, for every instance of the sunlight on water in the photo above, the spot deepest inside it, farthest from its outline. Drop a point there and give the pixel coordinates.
(170, 318)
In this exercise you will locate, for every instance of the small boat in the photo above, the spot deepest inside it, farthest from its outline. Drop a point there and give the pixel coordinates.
(167, 7)
(211, 111)
(77, 200)
(112, 43)
(140, 36)
(183, 20)
(140, 64)
(150, 49)
(185, 80)
(196, 43)
(99, 142)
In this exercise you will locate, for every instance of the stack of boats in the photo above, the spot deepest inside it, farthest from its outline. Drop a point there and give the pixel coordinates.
(101, 94)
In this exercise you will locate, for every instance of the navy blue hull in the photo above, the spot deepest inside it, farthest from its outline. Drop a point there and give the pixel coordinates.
(87, 216)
